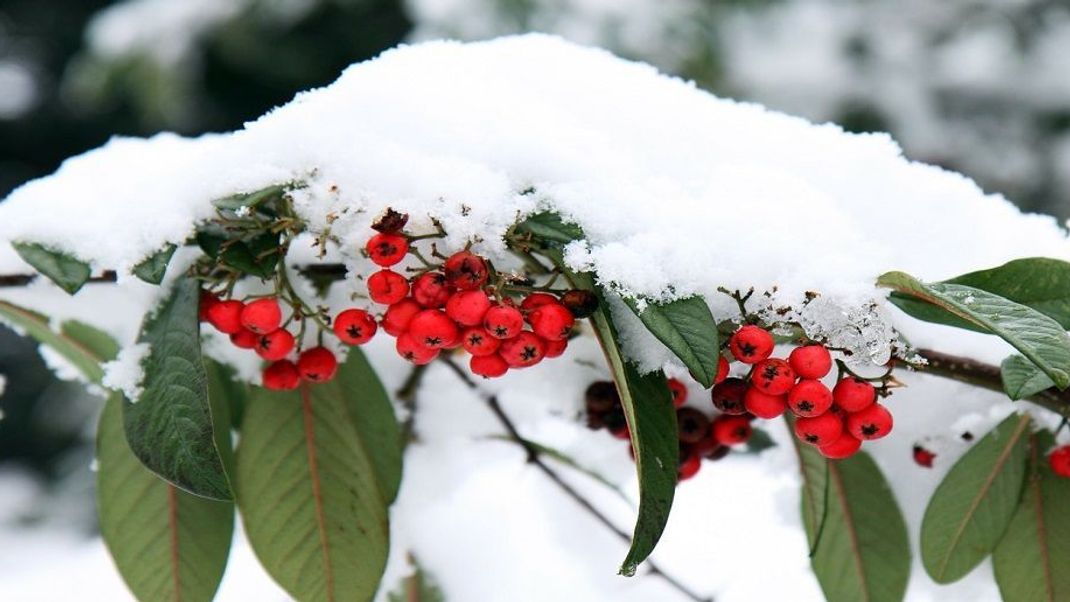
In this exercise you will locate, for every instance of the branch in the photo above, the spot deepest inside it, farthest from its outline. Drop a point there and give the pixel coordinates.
(534, 457)
(13, 280)
(330, 271)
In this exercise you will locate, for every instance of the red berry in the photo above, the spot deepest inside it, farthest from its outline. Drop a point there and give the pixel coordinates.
(430, 290)
(354, 326)
(488, 366)
(728, 396)
(281, 376)
(1059, 460)
(466, 271)
(706, 446)
(691, 425)
(317, 365)
(581, 303)
(764, 405)
(842, 447)
(523, 350)
(751, 344)
(262, 316)
(387, 287)
(503, 321)
(853, 395)
(467, 308)
(722, 371)
(387, 249)
(535, 301)
(923, 457)
(679, 392)
(478, 341)
(398, 316)
(689, 467)
(874, 422)
(245, 339)
(414, 351)
(433, 329)
(809, 398)
(552, 321)
(819, 430)
(207, 301)
(773, 377)
(275, 345)
(226, 315)
(555, 348)
(731, 430)
(810, 361)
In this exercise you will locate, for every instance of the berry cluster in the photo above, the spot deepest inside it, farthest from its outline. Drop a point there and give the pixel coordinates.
(835, 420)
(457, 304)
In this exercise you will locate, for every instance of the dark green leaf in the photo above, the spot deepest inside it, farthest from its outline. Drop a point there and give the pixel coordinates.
(973, 505)
(688, 329)
(1039, 338)
(234, 394)
(309, 494)
(815, 485)
(86, 359)
(1030, 561)
(759, 441)
(210, 238)
(169, 428)
(153, 268)
(549, 227)
(1022, 379)
(257, 257)
(67, 272)
(251, 200)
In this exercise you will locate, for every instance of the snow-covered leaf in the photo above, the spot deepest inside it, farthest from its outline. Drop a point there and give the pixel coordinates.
(313, 503)
(688, 329)
(1021, 378)
(548, 227)
(67, 272)
(257, 257)
(153, 268)
(170, 427)
(251, 200)
(86, 356)
(975, 502)
(1030, 560)
(1039, 338)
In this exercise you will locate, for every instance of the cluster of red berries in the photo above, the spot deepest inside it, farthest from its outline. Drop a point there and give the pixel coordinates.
(835, 420)
(258, 325)
(455, 305)
(1059, 460)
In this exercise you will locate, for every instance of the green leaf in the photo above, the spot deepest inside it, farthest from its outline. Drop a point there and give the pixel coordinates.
(86, 358)
(815, 486)
(863, 552)
(153, 268)
(759, 441)
(548, 227)
(373, 416)
(210, 238)
(257, 257)
(170, 427)
(973, 505)
(417, 587)
(688, 329)
(1030, 561)
(251, 200)
(1022, 379)
(309, 494)
(67, 272)
(166, 543)
(1039, 338)
(234, 394)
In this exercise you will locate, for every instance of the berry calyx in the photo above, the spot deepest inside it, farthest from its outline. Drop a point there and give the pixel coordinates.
(387, 249)
(552, 321)
(722, 371)
(503, 321)
(853, 395)
(466, 271)
(431, 290)
(731, 430)
(1059, 461)
(842, 447)
(874, 422)
(488, 366)
(524, 350)
(773, 377)
(354, 326)
(387, 287)
(691, 425)
(580, 302)
(317, 365)
(275, 345)
(225, 316)
(412, 350)
(728, 396)
(467, 308)
(751, 344)
(262, 316)
(433, 329)
(764, 405)
(245, 339)
(809, 398)
(478, 341)
(281, 376)
(819, 430)
(398, 316)
(810, 361)
(679, 392)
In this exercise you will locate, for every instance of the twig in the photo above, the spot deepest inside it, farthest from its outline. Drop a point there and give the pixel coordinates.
(406, 394)
(13, 280)
(333, 271)
(534, 457)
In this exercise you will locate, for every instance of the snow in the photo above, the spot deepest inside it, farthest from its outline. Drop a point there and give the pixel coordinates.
(125, 372)
(678, 191)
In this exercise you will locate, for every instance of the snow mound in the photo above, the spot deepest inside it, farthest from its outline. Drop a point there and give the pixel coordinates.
(679, 192)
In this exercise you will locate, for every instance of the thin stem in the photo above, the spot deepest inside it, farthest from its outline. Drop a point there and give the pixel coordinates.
(406, 394)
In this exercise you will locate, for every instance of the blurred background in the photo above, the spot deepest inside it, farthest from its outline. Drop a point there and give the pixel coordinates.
(978, 86)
